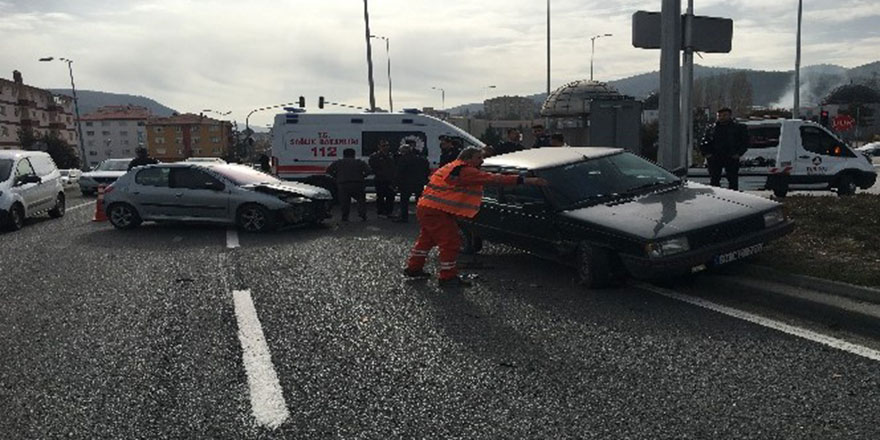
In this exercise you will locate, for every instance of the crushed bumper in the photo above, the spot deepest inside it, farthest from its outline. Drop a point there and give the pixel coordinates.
(313, 211)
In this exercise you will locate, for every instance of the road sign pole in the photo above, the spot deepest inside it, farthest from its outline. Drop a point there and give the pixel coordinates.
(687, 87)
(668, 154)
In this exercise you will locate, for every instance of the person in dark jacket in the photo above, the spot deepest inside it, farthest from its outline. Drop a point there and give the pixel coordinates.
(382, 164)
(265, 163)
(448, 150)
(514, 137)
(143, 158)
(350, 176)
(541, 138)
(412, 175)
(722, 146)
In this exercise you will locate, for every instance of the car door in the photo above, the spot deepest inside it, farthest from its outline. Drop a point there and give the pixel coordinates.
(820, 158)
(30, 191)
(199, 195)
(151, 193)
(48, 187)
(526, 220)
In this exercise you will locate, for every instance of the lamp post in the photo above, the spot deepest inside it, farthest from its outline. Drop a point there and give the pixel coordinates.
(795, 111)
(369, 57)
(207, 110)
(593, 50)
(486, 90)
(247, 118)
(82, 146)
(442, 97)
(388, 56)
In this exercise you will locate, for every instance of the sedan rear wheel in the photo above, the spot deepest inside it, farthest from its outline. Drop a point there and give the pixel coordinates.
(123, 216)
(254, 218)
(594, 266)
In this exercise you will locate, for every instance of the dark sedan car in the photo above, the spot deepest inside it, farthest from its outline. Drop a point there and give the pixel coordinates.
(610, 213)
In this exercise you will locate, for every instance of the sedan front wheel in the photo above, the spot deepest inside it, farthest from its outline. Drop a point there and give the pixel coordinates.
(594, 266)
(254, 218)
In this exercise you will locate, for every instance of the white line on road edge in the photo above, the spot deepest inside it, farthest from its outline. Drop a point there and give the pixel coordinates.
(267, 400)
(79, 206)
(830, 341)
(232, 238)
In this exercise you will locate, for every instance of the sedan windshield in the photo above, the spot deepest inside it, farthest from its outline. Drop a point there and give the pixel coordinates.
(113, 165)
(609, 176)
(5, 169)
(243, 175)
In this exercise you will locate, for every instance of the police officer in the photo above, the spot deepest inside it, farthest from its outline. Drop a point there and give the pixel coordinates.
(143, 158)
(412, 175)
(448, 150)
(350, 174)
(511, 144)
(722, 146)
(382, 164)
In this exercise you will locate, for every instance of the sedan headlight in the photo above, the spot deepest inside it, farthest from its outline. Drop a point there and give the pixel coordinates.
(773, 218)
(668, 247)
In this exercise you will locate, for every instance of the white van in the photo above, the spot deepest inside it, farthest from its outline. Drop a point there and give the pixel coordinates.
(792, 154)
(30, 184)
(304, 144)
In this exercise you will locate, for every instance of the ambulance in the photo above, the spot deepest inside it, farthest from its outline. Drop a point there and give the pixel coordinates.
(305, 144)
(795, 155)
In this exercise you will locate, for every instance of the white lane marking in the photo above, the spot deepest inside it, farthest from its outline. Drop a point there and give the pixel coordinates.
(79, 206)
(232, 238)
(267, 400)
(810, 335)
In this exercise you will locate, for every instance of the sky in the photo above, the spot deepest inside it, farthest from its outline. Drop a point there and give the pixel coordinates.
(236, 56)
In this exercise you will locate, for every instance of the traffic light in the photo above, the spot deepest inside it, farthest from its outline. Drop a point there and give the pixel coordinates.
(823, 118)
(302, 102)
(320, 102)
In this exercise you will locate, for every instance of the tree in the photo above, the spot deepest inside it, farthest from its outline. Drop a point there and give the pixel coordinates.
(649, 134)
(26, 138)
(62, 153)
(491, 136)
(740, 94)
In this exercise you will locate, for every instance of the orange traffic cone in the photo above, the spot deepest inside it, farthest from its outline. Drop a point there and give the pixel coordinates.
(100, 215)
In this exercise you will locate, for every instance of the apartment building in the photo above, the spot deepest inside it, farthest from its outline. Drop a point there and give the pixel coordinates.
(188, 135)
(114, 132)
(510, 107)
(24, 107)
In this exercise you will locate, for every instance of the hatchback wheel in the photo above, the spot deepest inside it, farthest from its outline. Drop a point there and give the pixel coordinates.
(254, 218)
(123, 216)
(593, 266)
(60, 207)
(15, 220)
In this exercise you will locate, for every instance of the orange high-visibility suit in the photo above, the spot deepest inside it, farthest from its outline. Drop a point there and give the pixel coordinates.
(454, 190)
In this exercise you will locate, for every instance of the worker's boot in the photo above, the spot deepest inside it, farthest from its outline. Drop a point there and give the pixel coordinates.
(410, 273)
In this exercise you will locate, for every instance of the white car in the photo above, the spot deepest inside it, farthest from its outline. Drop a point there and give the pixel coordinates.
(29, 185)
(70, 177)
(205, 160)
(104, 174)
(872, 151)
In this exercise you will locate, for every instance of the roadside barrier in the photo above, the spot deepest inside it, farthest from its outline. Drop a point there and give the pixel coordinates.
(100, 215)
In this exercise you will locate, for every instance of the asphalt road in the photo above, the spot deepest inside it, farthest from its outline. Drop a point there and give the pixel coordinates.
(111, 334)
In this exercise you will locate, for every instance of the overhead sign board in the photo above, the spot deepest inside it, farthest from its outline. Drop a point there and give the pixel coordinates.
(710, 34)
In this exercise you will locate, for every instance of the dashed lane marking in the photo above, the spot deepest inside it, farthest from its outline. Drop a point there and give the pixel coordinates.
(232, 238)
(810, 335)
(79, 206)
(267, 400)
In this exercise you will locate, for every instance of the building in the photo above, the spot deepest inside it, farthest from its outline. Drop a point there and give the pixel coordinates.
(188, 135)
(510, 108)
(594, 113)
(24, 107)
(114, 132)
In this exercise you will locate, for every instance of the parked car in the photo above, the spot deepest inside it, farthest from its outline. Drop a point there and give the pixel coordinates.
(213, 193)
(871, 151)
(104, 174)
(70, 177)
(205, 159)
(610, 213)
(29, 186)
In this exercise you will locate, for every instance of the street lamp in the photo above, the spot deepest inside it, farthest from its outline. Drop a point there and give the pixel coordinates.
(387, 55)
(442, 97)
(82, 146)
(593, 50)
(207, 110)
(486, 90)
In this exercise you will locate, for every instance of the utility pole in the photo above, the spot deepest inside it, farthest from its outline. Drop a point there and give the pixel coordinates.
(795, 111)
(369, 57)
(669, 153)
(687, 87)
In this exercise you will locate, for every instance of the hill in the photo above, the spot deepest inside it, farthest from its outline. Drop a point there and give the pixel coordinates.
(90, 100)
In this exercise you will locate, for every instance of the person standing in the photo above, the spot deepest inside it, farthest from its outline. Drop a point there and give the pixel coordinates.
(382, 164)
(557, 140)
(143, 158)
(541, 138)
(265, 164)
(411, 176)
(448, 151)
(514, 137)
(350, 174)
(722, 146)
(453, 191)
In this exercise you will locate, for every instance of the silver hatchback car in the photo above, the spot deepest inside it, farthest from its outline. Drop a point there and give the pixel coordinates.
(213, 193)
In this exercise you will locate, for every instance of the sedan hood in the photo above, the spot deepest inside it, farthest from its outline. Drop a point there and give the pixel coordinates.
(100, 174)
(302, 189)
(671, 212)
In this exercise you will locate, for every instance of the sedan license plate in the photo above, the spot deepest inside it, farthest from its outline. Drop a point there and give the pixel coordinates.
(738, 254)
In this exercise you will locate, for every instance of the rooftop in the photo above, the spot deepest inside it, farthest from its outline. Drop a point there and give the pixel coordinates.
(117, 112)
(184, 119)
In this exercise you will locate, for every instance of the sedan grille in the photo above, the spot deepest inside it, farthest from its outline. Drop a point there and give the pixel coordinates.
(726, 231)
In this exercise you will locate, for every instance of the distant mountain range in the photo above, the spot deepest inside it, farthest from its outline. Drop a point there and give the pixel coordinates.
(90, 100)
(768, 87)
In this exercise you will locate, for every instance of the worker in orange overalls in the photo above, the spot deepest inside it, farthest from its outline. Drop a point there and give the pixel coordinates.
(454, 190)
